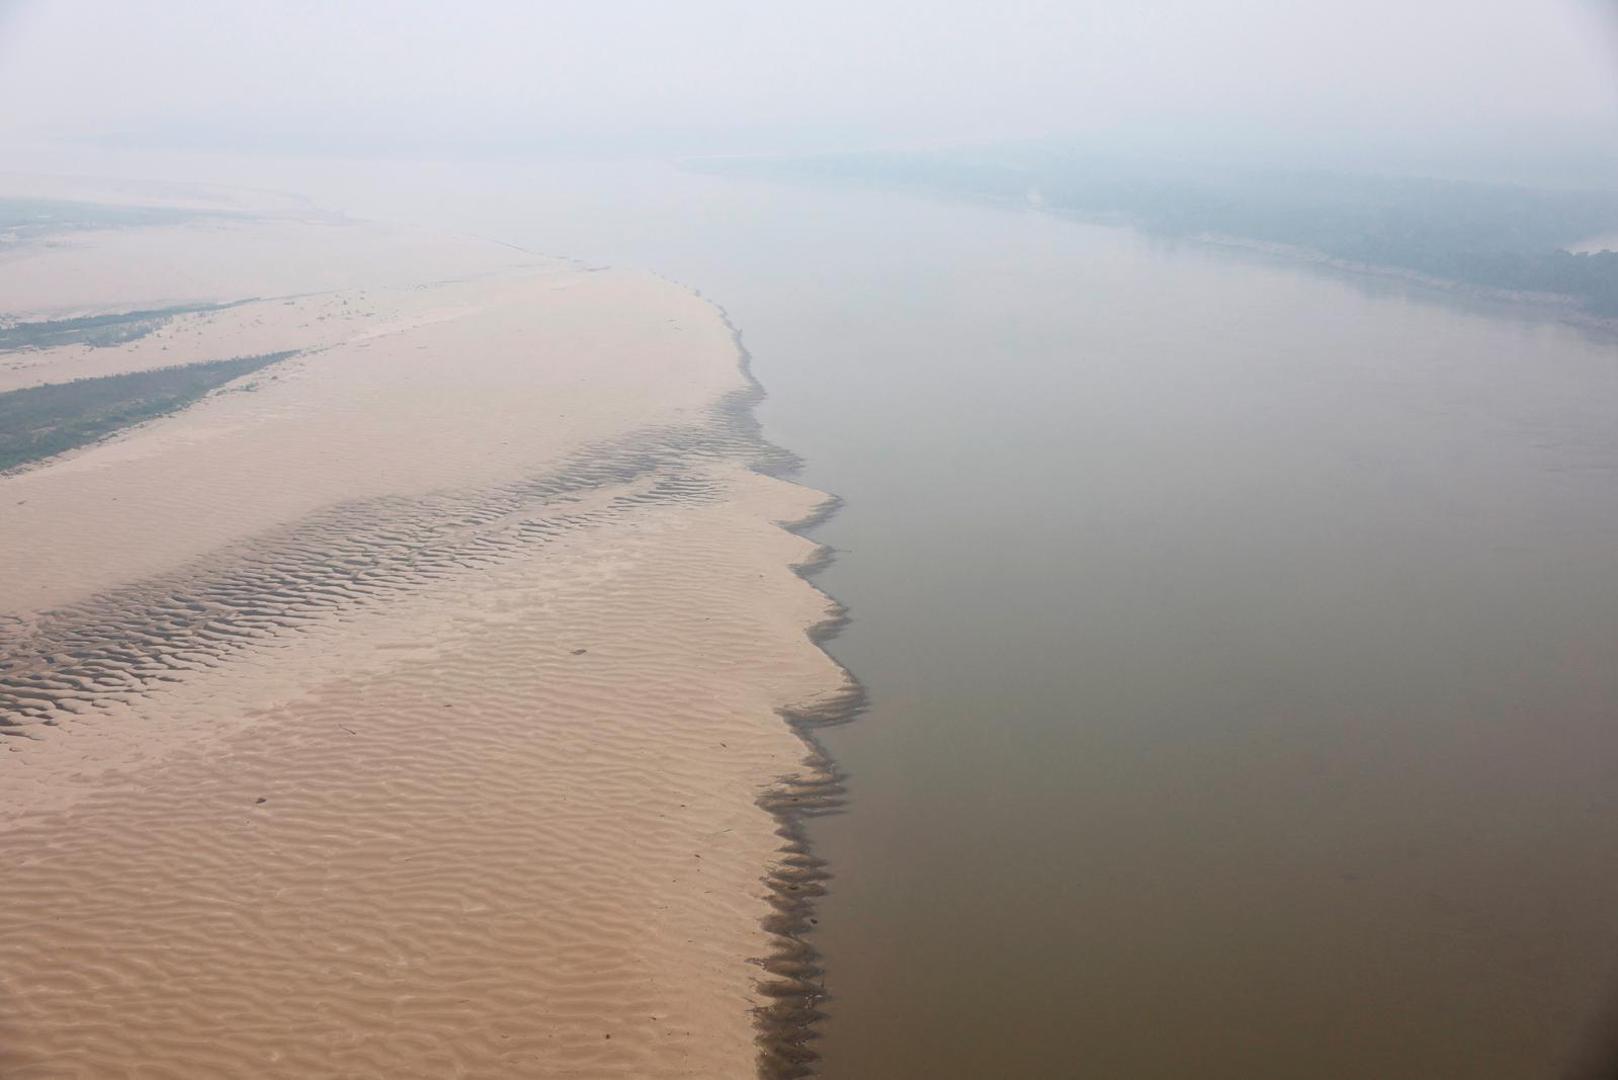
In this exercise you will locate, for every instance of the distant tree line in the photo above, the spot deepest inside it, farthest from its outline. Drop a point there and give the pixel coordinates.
(1491, 235)
(23, 220)
(115, 328)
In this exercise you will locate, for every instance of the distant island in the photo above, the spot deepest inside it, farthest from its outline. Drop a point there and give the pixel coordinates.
(1493, 236)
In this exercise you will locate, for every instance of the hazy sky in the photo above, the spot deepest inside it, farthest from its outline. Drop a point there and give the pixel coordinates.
(723, 75)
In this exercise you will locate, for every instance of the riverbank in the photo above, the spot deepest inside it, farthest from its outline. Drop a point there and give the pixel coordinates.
(417, 709)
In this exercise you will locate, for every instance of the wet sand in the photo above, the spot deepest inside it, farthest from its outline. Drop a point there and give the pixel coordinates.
(413, 707)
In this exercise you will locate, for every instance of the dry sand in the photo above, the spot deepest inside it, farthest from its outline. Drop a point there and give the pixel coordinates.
(412, 708)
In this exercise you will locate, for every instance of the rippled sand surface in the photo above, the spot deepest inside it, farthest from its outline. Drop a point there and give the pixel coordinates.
(409, 708)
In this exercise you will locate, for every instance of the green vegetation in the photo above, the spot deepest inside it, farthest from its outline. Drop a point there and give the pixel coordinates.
(93, 330)
(29, 219)
(1489, 235)
(40, 421)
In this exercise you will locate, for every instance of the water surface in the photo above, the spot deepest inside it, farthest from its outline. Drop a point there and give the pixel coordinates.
(1240, 641)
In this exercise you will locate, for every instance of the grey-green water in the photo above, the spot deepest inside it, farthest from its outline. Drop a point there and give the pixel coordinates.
(1240, 638)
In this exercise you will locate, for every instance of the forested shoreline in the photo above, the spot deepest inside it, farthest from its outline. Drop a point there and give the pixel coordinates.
(1492, 236)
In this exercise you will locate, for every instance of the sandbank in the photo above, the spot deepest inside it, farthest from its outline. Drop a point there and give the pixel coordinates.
(417, 708)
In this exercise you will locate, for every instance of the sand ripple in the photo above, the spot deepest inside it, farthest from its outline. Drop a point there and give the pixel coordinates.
(74, 659)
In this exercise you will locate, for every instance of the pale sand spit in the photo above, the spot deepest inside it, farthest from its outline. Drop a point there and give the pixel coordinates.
(416, 712)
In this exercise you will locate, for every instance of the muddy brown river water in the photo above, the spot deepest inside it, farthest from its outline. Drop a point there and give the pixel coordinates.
(1241, 644)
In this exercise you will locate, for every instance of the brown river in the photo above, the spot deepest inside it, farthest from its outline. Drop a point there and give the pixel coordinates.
(1242, 641)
